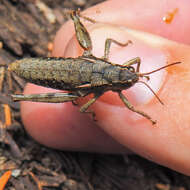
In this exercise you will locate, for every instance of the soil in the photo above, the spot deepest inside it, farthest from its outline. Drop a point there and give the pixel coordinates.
(27, 28)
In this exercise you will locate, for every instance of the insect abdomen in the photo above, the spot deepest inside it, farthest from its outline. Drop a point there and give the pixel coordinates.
(58, 73)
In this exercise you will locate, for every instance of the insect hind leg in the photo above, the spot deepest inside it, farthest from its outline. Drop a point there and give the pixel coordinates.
(82, 34)
(46, 97)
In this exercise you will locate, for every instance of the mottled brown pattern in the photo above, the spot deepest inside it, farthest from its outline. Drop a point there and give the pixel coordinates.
(71, 73)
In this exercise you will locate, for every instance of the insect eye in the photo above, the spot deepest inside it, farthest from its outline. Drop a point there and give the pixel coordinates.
(132, 69)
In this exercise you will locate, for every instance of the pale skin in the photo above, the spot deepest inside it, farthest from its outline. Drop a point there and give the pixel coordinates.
(117, 129)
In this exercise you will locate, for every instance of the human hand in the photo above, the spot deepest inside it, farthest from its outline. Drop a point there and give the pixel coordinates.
(62, 126)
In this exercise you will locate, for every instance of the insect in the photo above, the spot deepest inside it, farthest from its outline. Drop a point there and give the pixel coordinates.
(83, 75)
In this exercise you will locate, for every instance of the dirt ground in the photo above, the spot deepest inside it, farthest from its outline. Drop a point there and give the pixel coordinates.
(27, 30)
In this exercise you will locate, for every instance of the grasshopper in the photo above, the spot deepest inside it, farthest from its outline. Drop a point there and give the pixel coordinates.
(83, 75)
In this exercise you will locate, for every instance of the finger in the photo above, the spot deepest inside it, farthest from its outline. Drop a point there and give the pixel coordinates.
(143, 15)
(164, 144)
(168, 142)
(148, 146)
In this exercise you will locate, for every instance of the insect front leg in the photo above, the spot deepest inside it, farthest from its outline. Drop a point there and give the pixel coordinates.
(46, 97)
(131, 107)
(84, 107)
(108, 45)
(136, 60)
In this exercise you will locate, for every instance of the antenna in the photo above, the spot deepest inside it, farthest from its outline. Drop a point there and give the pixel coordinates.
(148, 73)
(152, 91)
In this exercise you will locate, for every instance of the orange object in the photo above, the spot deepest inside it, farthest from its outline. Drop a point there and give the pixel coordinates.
(38, 183)
(1, 45)
(4, 179)
(168, 18)
(50, 46)
(7, 112)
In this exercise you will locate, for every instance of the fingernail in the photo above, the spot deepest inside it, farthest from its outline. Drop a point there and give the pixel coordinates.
(143, 46)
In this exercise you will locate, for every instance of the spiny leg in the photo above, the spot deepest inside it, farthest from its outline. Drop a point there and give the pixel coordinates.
(108, 45)
(85, 17)
(82, 34)
(131, 107)
(88, 104)
(46, 97)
